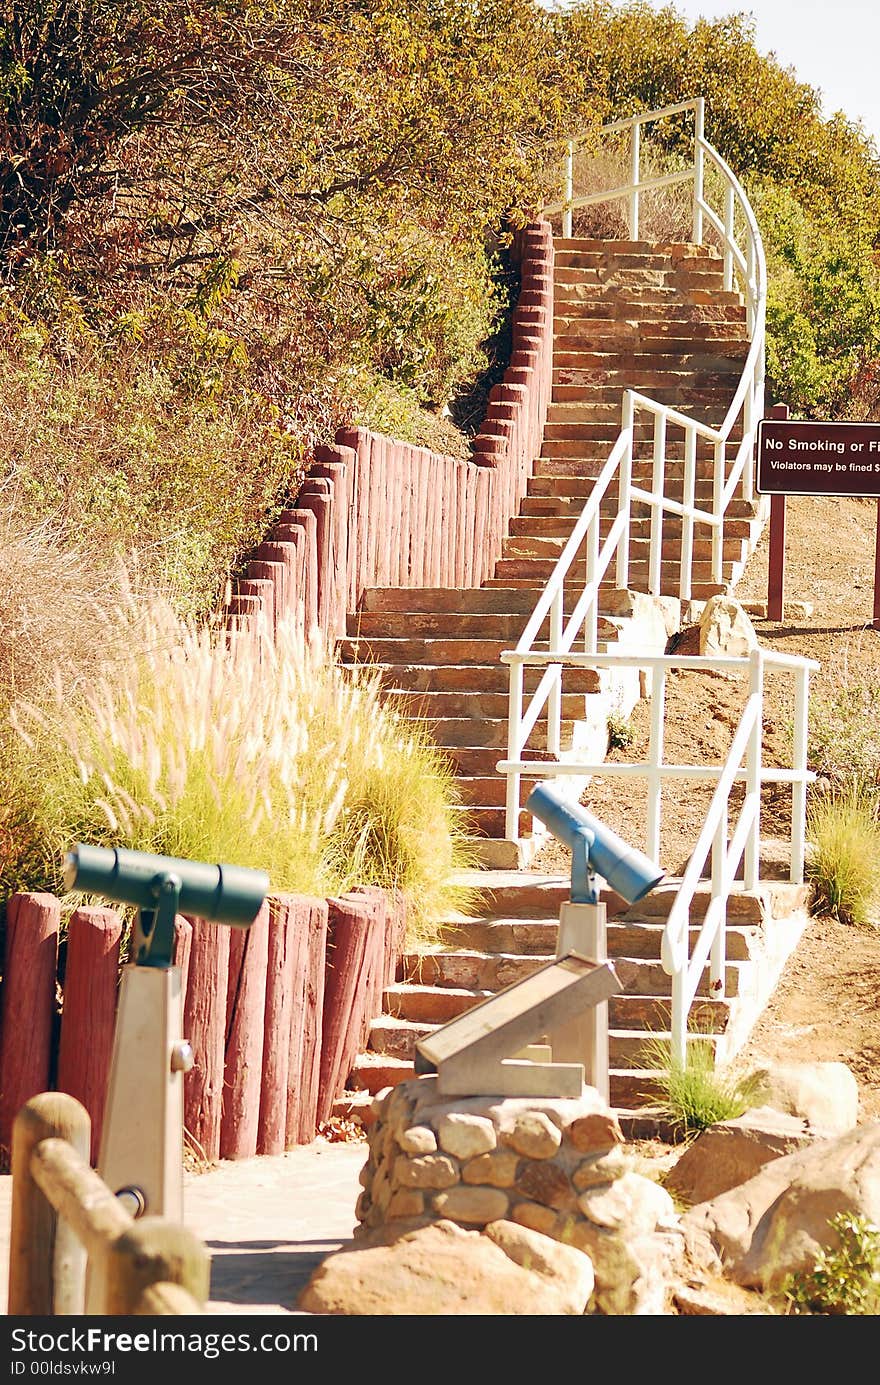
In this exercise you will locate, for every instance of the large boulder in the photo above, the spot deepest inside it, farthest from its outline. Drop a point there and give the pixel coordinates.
(725, 629)
(778, 1222)
(731, 1152)
(824, 1095)
(444, 1270)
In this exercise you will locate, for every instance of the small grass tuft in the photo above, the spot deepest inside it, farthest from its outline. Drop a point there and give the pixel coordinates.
(844, 865)
(695, 1094)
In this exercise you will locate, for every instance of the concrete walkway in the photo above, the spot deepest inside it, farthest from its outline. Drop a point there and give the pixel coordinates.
(267, 1223)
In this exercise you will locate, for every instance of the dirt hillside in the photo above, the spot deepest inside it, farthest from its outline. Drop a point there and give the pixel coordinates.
(827, 1007)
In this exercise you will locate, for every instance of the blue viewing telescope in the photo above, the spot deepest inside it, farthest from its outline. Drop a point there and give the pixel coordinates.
(595, 849)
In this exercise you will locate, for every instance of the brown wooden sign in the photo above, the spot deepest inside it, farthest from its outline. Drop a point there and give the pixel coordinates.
(796, 458)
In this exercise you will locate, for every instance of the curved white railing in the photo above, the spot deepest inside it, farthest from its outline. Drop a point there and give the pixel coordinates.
(744, 269)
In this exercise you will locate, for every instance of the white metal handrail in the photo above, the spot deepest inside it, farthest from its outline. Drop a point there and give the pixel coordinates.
(749, 264)
(743, 764)
(548, 641)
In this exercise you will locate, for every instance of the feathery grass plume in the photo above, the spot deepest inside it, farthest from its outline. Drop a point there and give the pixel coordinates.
(844, 864)
(694, 1094)
(265, 754)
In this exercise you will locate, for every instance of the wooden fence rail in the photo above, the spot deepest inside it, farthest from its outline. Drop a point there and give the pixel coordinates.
(74, 1247)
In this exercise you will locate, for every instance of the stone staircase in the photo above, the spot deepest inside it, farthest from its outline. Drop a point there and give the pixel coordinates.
(514, 931)
(627, 314)
(655, 318)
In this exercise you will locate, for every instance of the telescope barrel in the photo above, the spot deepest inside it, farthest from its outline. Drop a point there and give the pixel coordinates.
(626, 869)
(222, 893)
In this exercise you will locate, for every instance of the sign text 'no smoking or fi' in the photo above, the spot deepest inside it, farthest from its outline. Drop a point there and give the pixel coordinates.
(796, 458)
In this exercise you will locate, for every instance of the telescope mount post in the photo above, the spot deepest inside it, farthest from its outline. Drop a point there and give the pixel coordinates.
(583, 929)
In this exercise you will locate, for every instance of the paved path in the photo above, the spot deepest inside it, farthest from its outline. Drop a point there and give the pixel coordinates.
(266, 1222)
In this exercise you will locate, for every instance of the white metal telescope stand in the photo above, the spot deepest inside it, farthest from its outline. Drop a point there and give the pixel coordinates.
(582, 928)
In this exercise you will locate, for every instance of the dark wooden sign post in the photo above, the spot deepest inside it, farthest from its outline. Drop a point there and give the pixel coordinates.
(797, 458)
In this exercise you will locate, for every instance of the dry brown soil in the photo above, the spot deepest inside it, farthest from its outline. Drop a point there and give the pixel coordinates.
(827, 1005)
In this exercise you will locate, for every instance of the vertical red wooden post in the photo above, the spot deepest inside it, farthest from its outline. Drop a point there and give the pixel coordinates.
(347, 972)
(245, 1018)
(776, 563)
(776, 566)
(32, 924)
(88, 1019)
(308, 961)
(204, 1024)
(276, 1033)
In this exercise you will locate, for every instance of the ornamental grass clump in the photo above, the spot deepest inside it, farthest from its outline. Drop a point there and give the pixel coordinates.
(695, 1094)
(259, 753)
(844, 862)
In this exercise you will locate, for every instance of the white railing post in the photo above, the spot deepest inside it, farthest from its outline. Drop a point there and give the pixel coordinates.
(687, 519)
(591, 619)
(718, 529)
(514, 750)
(634, 182)
(751, 287)
(718, 951)
(728, 239)
(655, 761)
(699, 123)
(752, 868)
(624, 481)
(678, 1027)
(799, 764)
(554, 702)
(658, 487)
(569, 189)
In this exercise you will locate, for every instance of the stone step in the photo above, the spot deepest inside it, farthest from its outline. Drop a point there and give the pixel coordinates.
(448, 625)
(579, 402)
(565, 246)
(562, 525)
(660, 365)
(468, 600)
(388, 650)
(684, 323)
(481, 972)
(429, 1004)
(571, 484)
(619, 299)
(481, 761)
(487, 678)
(440, 707)
(475, 732)
(625, 937)
(543, 567)
(396, 1039)
(642, 269)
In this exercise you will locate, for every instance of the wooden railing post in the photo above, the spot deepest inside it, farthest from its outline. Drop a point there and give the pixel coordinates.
(153, 1251)
(37, 1241)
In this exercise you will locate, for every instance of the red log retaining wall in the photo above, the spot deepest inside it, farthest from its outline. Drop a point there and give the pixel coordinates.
(376, 512)
(275, 1013)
